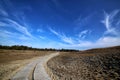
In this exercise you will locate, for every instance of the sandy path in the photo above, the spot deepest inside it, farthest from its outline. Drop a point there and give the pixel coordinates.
(39, 70)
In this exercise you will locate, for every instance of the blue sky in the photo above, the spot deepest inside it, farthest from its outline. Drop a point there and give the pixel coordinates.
(72, 24)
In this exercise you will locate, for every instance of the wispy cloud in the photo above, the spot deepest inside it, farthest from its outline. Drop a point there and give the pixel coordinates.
(21, 36)
(67, 39)
(3, 13)
(24, 38)
(41, 37)
(13, 35)
(118, 23)
(17, 21)
(18, 27)
(14, 22)
(14, 29)
(109, 40)
(111, 25)
(62, 36)
(40, 30)
(3, 24)
(109, 21)
(83, 21)
(54, 32)
(7, 34)
(104, 41)
(84, 33)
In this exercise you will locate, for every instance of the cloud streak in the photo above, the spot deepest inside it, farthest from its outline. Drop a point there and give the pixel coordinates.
(17, 23)
(104, 41)
(6, 34)
(108, 21)
(83, 21)
(40, 30)
(3, 12)
(84, 33)
(6, 21)
(63, 37)
(19, 27)
(13, 27)
(41, 37)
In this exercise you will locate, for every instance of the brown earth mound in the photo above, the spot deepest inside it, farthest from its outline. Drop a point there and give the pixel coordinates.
(94, 64)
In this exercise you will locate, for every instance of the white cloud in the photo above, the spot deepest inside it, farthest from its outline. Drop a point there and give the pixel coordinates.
(83, 34)
(7, 34)
(3, 12)
(2, 24)
(109, 21)
(110, 41)
(54, 32)
(18, 15)
(105, 42)
(102, 42)
(63, 37)
(12, 18)
(67, 39)
(41, 37)
(40, 30)
(83, 21)
(13, 35)
(18, 27)
(118, 23)
(112, 27)
(23, 37)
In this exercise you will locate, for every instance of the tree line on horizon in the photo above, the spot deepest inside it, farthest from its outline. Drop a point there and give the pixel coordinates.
(22, 47)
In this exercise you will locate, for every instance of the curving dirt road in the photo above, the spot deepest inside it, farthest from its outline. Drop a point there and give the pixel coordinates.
(35, 70)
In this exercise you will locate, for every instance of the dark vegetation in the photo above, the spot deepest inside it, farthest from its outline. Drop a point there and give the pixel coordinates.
(21, 47)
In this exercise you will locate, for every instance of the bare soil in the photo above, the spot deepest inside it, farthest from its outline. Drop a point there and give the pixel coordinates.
(12, 61)
(95, 64)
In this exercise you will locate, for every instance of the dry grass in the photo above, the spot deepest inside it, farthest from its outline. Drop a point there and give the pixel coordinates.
(95, 64)
(13, 60)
